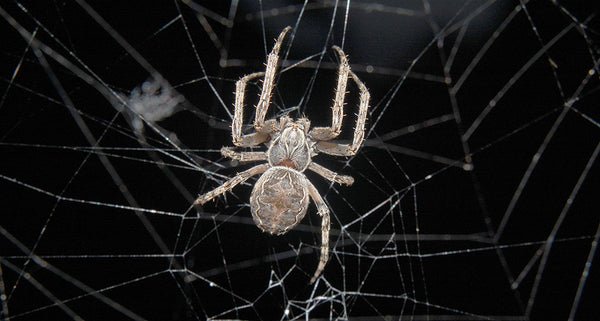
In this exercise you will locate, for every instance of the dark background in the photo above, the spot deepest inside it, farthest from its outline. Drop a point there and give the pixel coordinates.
(96, 258)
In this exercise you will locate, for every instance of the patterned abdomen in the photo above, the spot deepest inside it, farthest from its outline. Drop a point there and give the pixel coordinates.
(279, 199)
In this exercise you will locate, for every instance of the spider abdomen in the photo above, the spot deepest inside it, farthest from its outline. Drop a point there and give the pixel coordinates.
(279, 199)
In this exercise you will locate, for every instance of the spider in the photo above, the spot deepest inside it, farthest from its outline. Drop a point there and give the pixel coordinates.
(280, 197)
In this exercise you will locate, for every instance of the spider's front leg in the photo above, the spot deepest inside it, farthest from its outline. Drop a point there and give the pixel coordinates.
(337, 149)
(238, 117)
(337, 110)
(263, 128)
(265, 95)
(231, 183)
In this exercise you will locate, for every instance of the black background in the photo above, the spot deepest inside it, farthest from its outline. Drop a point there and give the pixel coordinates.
(458, 274)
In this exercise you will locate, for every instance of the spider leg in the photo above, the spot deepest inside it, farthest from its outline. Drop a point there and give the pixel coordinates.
(265, 95)
(323, 211)
(238, 117)
(327, 133)
(243, 156)
(338, 149)
(331, 175)
(231, 183)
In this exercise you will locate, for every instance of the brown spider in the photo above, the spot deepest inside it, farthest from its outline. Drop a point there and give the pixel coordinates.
(280, 197)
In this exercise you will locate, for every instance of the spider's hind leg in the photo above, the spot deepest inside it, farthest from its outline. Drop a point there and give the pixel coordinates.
(323, 211)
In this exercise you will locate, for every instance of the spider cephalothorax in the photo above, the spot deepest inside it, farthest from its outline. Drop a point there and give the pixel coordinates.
(280, 197)
(292, 147)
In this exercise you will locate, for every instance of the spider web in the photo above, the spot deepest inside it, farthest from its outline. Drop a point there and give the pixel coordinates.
(475, 192)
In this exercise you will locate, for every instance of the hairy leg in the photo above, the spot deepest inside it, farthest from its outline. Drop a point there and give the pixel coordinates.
(337, 110)
(336, 149)
(323, 211)
(331, 175)
(231, 183)
(243, 156)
